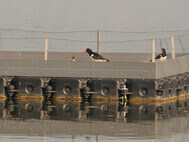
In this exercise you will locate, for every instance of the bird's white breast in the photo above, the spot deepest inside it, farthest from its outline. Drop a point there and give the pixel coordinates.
(162, 58)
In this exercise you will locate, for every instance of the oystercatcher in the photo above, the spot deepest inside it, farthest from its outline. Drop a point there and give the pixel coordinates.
(95, 56)
(162, 56)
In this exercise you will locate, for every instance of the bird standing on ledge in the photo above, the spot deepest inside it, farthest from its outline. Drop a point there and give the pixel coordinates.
(162, 56)
(95, 56)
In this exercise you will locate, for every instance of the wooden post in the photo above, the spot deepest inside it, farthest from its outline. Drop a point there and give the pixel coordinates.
(153, 49)
(98, 41)
(73, 138)
(45, 137)
(46, 48)
(96, 138)
(173, 137)
(173, 46)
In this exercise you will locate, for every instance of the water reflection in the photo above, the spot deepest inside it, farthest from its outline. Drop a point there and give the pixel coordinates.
(112, 121)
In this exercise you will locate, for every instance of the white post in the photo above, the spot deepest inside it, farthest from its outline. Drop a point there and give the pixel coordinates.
(98, 41)
(153, 49)
(173, 137)
(173, 46)
(46, 48)
(45, 137)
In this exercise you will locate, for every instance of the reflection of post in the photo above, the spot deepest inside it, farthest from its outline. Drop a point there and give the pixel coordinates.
(73, 138)
(5, 114)
(96, 138)
(42, 116)
(45, 137)
(173, 137)
(118, 116)
(46, 48)
(173, 46)
(153, 49)
(98, 41)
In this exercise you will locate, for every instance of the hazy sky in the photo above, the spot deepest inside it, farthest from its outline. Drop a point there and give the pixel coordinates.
(66, 15)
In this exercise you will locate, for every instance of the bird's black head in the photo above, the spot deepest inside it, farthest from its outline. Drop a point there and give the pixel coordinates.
(88, 50)
(163, 52)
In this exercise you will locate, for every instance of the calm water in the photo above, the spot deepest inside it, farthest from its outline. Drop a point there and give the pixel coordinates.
(93, 121)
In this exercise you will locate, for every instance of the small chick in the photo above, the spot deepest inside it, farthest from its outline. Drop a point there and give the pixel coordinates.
(74, 58)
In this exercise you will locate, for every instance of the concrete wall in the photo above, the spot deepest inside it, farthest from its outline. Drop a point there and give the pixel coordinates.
(172, 67)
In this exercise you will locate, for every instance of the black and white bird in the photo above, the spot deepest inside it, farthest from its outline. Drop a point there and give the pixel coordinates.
(95, 56)
(162, 56)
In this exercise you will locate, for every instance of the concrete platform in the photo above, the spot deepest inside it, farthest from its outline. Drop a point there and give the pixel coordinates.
(121, 65)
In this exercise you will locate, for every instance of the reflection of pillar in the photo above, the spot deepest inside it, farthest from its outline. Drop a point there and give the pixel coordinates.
(5, 113)
(81, 110)
(118, 116)
(80, 114)
(125, 114)
(47, 108)
(173, 137)
(10, 109)
(42, 114)
(156, 116)
(153, 140)
(45, 137)
(125, 120)
(73, 138)
(96, 138)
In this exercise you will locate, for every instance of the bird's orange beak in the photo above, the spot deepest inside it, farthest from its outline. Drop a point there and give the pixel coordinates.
(84, 51)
